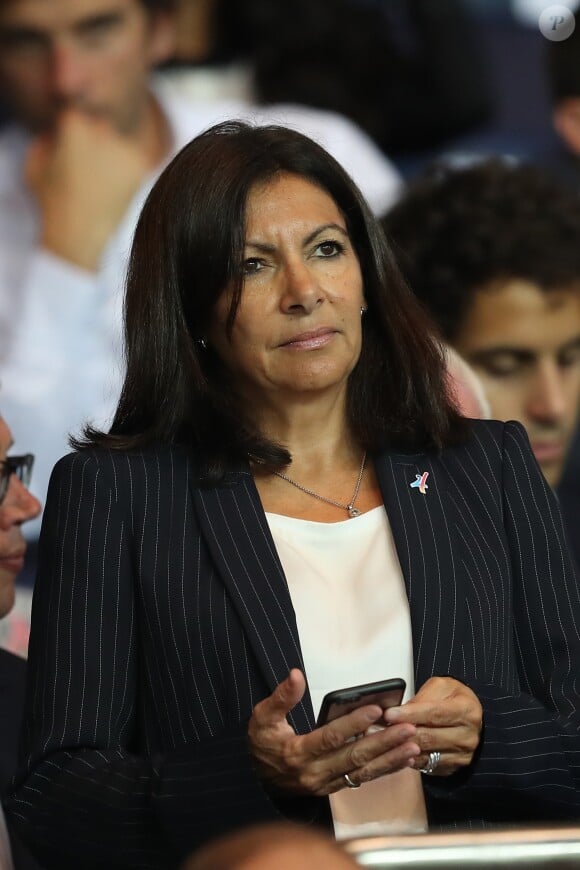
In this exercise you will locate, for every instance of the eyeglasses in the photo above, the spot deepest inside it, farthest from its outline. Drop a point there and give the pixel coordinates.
(21, 466)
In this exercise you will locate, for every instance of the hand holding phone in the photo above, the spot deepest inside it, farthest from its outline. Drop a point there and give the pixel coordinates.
(299, 764)
(384, 693)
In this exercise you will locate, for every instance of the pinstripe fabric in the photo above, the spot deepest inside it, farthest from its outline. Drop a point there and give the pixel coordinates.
(161, 615)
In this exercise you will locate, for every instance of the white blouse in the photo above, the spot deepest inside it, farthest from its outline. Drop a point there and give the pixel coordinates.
(354, 625)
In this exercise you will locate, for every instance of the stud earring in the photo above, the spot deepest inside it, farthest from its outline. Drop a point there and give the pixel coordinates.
(202, 343)
(362, 310)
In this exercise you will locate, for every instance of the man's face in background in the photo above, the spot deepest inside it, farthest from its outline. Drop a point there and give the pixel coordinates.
(524, 343)
(90, 55)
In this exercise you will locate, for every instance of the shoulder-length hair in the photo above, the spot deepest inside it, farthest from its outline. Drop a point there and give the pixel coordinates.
(188, 247)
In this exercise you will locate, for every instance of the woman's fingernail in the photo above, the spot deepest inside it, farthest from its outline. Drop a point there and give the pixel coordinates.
(374, 717)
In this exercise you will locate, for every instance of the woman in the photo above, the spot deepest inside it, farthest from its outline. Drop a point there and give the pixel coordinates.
(287, 492)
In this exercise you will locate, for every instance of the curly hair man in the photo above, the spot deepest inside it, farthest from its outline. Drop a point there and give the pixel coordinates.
(492, 251)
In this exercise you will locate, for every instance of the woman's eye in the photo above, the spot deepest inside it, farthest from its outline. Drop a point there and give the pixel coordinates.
(251, 265)
(330, 248)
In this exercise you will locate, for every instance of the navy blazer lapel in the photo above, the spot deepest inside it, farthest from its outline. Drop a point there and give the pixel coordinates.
(241, 545)
(422, 525)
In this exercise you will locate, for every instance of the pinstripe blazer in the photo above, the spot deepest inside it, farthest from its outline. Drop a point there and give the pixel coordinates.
(161, 616)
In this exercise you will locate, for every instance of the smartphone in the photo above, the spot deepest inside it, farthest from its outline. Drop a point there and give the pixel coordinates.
(385, 693)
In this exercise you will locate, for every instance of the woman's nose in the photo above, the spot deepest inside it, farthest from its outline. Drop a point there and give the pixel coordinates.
(301, 289)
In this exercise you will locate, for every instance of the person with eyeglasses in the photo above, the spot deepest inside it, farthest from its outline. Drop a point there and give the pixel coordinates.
(17, 506)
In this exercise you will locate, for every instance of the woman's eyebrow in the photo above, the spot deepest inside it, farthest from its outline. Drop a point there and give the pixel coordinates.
(322, 229)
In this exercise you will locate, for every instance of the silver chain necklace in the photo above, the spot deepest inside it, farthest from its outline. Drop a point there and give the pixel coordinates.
(349, 508)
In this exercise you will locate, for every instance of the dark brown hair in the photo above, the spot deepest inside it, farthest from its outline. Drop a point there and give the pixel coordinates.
(188, 248)
(457, 231)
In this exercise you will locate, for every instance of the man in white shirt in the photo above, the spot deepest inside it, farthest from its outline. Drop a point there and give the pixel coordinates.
(91, 133)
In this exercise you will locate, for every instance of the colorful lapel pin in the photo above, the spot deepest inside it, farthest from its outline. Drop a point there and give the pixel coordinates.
(420, 482)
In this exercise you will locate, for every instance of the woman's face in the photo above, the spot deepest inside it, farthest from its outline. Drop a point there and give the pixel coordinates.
(297, 330)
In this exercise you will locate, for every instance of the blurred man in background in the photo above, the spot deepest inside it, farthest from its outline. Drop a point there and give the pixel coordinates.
(88, 133)
(492, 251)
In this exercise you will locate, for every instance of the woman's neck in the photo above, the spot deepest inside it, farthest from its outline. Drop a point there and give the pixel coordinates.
(316, 433)
(328, 461)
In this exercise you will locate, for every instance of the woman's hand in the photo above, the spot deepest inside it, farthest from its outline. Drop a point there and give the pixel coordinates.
(448, 717)
(315, 763)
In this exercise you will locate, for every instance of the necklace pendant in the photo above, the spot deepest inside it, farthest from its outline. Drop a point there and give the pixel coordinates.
(352, 511)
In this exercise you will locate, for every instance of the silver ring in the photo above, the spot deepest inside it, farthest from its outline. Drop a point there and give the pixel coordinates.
(349, 781)
(432, 762)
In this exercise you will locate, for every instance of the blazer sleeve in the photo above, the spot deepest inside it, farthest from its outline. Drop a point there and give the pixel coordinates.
(86, 794)
(529, 757)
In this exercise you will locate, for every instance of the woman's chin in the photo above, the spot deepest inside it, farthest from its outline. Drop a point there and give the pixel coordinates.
(324, 375)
